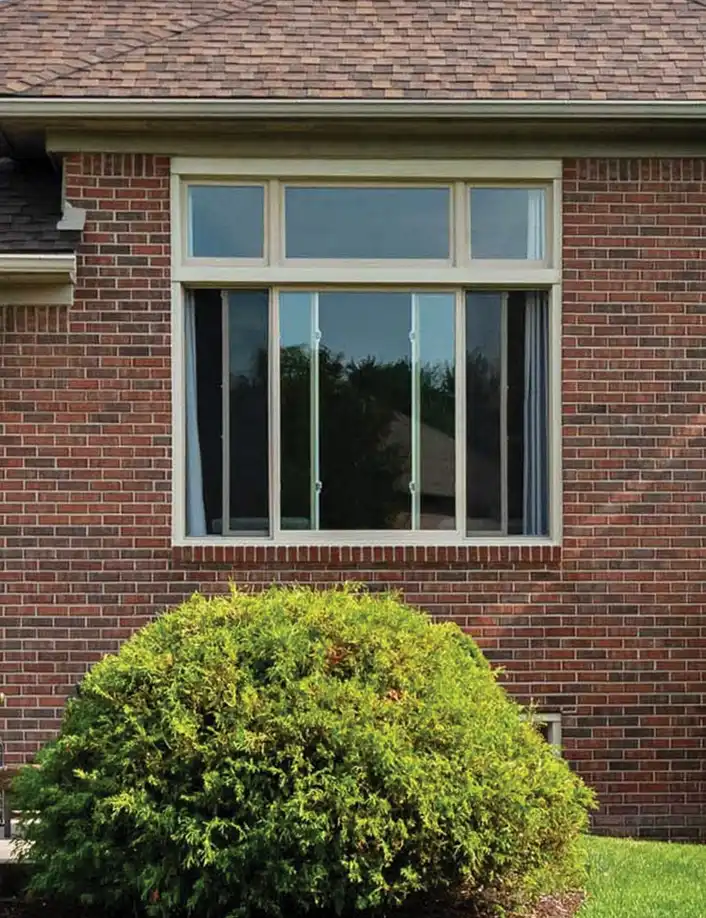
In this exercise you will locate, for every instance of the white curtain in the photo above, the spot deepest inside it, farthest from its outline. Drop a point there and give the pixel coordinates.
(535, 511)
(195, 507)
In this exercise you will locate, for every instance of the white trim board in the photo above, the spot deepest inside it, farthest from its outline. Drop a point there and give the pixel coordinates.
(36, 294)
(37, 280)
(33, 266)
(433, 171)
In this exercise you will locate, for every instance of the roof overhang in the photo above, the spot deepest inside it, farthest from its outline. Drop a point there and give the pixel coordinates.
(43, 279)
(41, 109)
(483, 127)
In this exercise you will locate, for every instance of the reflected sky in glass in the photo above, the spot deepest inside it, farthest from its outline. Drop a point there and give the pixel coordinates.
(436, 328)
(358, 222)
(227, 221)
(363, 324)
(500, 224)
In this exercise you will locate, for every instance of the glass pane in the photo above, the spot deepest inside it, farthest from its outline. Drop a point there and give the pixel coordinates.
(508, 223)
(226, 221)
(204, 413)
(437, 438)
(358, 222)
(483, 422)
(528, 316)
(298, 477)
(248, 438)
(365, 410)
(515, 409)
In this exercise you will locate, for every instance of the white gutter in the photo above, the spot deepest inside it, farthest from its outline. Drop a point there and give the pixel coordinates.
(40, 268)
(42, 109)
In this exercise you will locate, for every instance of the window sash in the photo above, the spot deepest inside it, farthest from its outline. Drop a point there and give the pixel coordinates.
(274, 267)
(279, 535)
(402, 260)
(542, 211)
(187, 228)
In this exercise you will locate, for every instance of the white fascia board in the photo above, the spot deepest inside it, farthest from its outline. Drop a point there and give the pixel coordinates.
(111, 108)
(37, 268)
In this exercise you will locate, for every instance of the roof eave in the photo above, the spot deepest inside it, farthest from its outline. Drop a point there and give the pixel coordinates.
(41, 108)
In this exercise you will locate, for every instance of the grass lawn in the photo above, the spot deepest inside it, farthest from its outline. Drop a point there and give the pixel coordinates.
(642, 879)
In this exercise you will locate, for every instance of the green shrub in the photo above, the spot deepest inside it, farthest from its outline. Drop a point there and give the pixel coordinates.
(295, 750)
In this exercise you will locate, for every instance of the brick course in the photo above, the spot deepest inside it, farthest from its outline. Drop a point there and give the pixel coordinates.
(609, 629)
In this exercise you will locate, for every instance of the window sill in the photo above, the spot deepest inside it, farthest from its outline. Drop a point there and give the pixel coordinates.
(244, 554)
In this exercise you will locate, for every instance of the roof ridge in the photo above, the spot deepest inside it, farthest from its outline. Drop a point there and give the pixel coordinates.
(240, 7)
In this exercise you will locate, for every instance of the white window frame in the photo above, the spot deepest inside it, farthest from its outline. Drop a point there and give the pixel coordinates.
(417, 275)
(552, 721)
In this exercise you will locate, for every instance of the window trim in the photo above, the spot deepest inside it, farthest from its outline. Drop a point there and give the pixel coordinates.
(411, 274)
(552, 720)
(497, 171)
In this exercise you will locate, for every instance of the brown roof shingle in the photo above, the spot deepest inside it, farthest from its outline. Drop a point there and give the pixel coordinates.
(355, 49)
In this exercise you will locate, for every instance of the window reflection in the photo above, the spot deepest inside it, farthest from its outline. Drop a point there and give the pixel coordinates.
(359, 222)
(368, 410)
(248, 411)
(227, 221)
(207, 382)
(437, 411)
(508, 223)
(298, 440)
(483, 421)
(365, 406)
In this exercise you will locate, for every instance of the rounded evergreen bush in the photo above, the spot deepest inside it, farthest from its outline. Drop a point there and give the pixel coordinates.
(295, 750)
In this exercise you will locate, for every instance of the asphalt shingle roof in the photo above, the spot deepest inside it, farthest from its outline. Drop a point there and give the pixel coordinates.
(30, 207)
(355, 49)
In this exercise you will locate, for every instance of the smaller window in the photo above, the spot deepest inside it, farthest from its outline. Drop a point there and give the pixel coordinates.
(367, 222)
(508, 223)
(226, 221)
(549, 725)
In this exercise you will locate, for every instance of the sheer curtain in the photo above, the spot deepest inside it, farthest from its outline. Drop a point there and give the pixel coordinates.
(535, 504)
(195, 507)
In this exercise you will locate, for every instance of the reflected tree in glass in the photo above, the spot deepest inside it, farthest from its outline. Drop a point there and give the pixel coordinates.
(363, 469)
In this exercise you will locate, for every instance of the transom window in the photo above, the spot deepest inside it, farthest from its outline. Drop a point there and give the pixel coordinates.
(365, 357)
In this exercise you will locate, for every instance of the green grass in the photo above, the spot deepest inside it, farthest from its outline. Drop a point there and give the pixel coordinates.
(641, 879)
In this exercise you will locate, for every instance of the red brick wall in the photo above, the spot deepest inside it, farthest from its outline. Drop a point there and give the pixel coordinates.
(609, 629)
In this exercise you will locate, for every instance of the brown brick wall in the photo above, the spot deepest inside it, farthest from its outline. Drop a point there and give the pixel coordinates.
(610, 629)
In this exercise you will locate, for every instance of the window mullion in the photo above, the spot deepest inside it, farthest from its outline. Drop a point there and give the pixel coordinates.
(461, 226)
(461, 419)
(316, 484)
(225, 407)
(274, 223)
(275, 403)
(415, 426)
(503, 417)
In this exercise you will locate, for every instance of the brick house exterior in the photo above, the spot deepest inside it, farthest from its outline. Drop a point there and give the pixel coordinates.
(605, 626)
